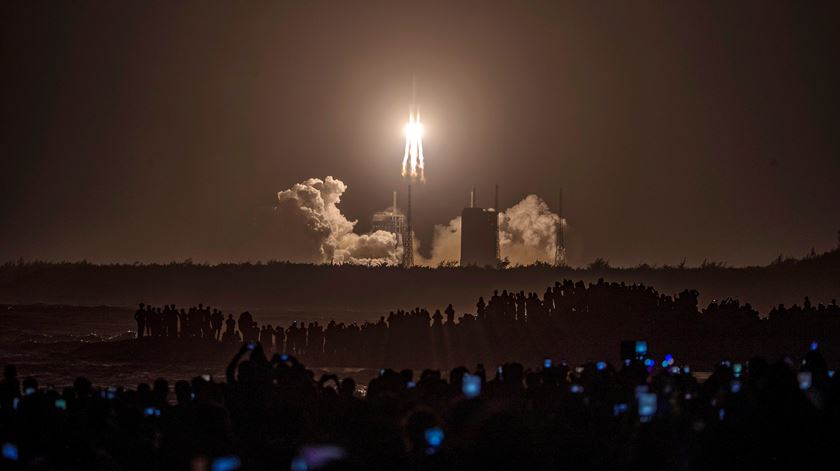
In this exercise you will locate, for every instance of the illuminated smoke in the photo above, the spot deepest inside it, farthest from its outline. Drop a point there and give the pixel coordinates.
(312, 228)
(413, 163)
(308, 226)
(527, 235)
(528, 232)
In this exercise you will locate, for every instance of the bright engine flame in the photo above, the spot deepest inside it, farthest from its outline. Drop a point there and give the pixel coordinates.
(413, 162)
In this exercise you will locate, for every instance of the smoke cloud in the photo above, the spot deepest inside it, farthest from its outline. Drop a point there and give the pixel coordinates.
(312, 228)
(307, 226)
(527, 235)
(528, 232)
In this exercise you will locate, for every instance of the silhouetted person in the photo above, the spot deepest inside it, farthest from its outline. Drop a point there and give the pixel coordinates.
(183, 320)
(217, 320)
(450, 315)
(140, 317)
(230, 335)
(172, 321)
(9, 388)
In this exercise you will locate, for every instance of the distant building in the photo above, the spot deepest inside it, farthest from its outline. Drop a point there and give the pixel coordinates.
(479, 237)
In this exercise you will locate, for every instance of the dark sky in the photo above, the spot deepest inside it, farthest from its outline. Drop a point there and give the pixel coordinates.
(150, 131)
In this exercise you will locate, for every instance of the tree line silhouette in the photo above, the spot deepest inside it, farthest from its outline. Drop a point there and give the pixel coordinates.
(358, 288)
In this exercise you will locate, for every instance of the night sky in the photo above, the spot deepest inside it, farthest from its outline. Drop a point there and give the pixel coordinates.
(153, 131)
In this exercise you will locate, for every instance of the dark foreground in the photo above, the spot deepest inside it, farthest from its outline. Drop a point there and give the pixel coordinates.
(275, 414)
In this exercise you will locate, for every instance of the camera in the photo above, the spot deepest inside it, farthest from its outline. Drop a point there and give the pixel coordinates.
(647, 406)
(225, 463)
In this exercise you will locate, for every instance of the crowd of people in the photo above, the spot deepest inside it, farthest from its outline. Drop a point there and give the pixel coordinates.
(582, 318)
(271, 412)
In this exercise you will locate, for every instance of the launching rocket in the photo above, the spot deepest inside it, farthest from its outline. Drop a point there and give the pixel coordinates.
(413, 163)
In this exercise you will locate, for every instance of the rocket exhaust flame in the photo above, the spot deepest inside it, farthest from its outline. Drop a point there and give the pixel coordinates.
(413, 163)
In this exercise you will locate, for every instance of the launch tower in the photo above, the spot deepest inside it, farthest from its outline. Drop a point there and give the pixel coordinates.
(560, 249)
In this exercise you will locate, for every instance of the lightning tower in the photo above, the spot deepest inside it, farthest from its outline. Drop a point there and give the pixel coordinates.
(560, 250)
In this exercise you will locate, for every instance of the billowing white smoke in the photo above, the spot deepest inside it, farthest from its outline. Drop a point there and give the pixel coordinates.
(446, 244)
(527, 235)
(528, 232)
(314, 229)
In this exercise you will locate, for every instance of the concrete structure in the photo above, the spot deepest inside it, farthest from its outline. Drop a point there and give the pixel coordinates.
(479, 236)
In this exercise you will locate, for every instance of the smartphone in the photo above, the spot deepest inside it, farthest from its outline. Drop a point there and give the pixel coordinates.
(252, 345)
(10, 452)
(471, 386)
(814, 346)
(737, 368)
(804, 378)
(316, 457)
(434, 436)
(647, 406)
(206, 378)
(547, 363)
(225, 463)
(410, 385)
(641, 348)
(284, 357)
(619, 409)
(601, 365)
(61, 404)
(576, 389)
(735, 386)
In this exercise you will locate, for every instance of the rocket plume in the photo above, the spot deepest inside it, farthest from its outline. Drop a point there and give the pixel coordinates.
(413, 163)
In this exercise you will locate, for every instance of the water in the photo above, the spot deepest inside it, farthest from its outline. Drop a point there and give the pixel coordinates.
(40, 341)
